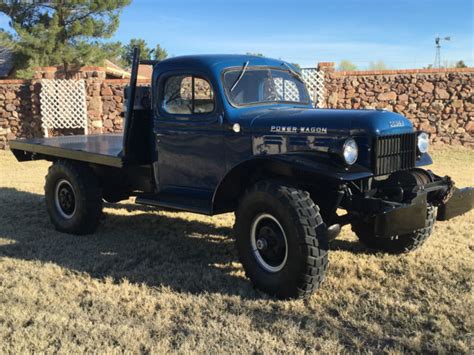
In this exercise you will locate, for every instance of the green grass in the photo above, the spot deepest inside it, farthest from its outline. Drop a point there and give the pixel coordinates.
(155, 281)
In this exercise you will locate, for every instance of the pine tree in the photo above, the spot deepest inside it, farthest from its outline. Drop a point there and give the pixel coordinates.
(60, 32)
(460, 64)
(113, 51)
(145, 51)
(159, 53)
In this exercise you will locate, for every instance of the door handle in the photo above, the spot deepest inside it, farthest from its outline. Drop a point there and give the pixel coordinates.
(158, 135)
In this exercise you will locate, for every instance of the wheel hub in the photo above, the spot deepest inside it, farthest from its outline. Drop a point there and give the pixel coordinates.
(65, 199)
(269, 243)
(262, 244)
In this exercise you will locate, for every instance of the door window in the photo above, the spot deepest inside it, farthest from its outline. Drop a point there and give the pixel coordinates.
(186, 94)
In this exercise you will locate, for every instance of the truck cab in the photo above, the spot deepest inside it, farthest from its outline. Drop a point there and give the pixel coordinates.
(237, 133)
(208, 120)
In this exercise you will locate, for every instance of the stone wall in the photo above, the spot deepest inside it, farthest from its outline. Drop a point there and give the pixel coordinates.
(19, 110)
(104, 106)
(439, 101)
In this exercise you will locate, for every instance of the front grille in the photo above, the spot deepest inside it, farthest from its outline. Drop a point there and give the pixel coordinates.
(394, 153)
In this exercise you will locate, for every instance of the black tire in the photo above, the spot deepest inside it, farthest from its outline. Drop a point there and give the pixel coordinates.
(294, 213)
(73, 197)
(397, 244)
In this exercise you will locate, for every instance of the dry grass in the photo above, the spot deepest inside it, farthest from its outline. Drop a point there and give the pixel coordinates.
(157, 281)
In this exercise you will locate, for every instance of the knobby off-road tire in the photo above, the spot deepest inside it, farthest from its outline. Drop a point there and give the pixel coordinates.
(290, 213)
(73, 197)
(397, 244)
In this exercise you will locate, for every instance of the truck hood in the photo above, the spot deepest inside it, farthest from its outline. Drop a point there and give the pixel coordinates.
(324, 122)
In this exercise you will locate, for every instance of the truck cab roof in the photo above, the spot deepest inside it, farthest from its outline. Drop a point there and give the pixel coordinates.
(215, 62)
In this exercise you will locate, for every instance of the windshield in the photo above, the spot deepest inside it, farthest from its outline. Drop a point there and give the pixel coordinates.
(253, 85)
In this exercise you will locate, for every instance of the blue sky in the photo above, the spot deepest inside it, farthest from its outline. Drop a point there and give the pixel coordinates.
(399, 32)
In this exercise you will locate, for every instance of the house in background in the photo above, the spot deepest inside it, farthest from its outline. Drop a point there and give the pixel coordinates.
(6, 62)
(113, 71)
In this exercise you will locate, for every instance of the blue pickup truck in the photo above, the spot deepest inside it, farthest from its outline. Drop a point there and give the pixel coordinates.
(234, 133)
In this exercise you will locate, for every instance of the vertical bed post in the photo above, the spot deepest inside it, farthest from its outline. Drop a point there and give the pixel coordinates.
(130, 101)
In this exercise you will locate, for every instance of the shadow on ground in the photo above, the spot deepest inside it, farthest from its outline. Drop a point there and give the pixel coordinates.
(132, 242)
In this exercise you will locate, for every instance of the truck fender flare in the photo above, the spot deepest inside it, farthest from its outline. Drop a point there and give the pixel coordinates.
(237, 179)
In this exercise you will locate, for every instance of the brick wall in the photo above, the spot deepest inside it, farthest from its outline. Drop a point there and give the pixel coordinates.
(439, 101)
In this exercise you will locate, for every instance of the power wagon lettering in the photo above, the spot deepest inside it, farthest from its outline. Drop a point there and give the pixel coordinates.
(292, 129)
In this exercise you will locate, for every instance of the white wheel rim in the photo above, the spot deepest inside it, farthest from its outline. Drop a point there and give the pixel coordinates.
(63, 195)
(257, 243)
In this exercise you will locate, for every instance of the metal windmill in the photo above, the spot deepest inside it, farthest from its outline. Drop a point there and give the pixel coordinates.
(438, 39)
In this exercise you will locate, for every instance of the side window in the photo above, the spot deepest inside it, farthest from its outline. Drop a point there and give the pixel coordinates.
(203, 96)
(185, 94)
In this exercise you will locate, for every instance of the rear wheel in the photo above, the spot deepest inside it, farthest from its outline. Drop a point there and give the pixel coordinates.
(396, 244)
(280, 240)
(73, 197)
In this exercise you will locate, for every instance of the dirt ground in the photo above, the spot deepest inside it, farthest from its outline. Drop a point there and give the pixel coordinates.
(155, 281)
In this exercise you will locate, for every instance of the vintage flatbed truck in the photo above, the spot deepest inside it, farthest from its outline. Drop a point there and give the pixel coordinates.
(232, 133)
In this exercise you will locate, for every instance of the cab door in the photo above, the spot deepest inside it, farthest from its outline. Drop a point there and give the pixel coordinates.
(189, 136)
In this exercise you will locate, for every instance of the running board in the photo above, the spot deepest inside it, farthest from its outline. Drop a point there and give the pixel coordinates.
(196, 206)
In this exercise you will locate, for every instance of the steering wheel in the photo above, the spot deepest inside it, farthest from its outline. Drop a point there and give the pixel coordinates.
(273, 96)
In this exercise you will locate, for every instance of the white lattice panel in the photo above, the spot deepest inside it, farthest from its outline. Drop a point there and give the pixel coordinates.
(63, 104)
(314, 80)
(286, 90)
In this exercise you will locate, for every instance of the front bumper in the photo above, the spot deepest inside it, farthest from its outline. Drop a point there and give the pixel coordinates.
(402, 219)
(461, 201)
(395, 218)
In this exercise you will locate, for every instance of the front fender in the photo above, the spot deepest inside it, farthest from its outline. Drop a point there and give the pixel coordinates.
(322, 166)
(424, 160)
(297, 166)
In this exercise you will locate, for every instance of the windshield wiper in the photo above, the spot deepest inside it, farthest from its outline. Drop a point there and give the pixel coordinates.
(294, 72)
(240, 76)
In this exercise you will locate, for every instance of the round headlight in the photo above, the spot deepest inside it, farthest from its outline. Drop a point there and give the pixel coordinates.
(423, 142)
(350, 151)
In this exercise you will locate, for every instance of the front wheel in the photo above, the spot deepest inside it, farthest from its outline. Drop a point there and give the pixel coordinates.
(73, 197)
(396, 244)
(280, 240)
